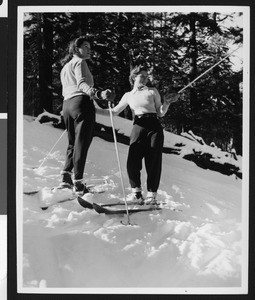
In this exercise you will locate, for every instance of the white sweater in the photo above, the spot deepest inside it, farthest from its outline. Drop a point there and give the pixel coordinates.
(142, 101)
(76, 78)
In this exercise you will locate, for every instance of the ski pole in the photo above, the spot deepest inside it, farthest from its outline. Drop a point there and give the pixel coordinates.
(208, 70)
(118, 159)
(52, 149)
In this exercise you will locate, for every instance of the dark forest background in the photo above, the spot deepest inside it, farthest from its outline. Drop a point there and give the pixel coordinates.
(176, 47)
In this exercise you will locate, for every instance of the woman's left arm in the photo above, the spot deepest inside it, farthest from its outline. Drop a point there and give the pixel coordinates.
(168, 99)
(81, 75)
(160, 108)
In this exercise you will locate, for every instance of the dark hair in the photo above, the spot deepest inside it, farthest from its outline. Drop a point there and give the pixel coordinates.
(73, 48)
(134, 71)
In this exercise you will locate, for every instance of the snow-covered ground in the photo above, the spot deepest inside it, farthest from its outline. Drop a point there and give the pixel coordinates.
(196, 243)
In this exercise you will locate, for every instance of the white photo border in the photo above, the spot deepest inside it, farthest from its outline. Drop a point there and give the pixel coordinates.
(19, 148)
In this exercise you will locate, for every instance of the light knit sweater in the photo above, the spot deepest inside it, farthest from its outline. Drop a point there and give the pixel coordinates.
(141, 101)
(76, 79)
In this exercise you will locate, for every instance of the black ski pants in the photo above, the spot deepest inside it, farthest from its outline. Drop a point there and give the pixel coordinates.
(79, 118)
(146, 141)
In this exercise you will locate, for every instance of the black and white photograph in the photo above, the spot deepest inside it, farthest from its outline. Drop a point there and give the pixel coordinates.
(132, 166)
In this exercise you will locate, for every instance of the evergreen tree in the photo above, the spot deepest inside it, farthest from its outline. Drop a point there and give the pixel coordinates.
(176, 47)
(45, 60)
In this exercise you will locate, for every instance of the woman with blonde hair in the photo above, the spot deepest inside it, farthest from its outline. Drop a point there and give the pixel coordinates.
(146, 140)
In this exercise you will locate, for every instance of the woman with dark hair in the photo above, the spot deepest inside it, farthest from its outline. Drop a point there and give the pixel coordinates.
(79, 112)
(146, 140)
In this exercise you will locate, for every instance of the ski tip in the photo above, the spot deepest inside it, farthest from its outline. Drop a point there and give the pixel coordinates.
(84, 203)
(98, 208)
(31, 193)
(102, 210)
(44, 208)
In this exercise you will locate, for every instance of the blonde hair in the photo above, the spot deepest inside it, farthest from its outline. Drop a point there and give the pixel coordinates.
(133, 73)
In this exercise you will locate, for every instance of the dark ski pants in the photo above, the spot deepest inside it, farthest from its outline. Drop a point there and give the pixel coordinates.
(79, 118)
(146, 141)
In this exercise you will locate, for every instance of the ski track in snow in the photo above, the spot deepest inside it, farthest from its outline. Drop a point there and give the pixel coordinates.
(194, 241)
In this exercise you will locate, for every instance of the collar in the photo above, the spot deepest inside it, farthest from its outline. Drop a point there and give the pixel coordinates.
(140, 88)
(76, 57)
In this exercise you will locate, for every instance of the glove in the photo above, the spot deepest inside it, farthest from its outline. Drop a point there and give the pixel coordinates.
(112, 96)
(108, 95)
(171, 97)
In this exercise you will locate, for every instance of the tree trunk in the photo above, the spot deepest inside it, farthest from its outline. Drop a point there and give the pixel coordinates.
(45, 54)
(83, 24)
(193, 61)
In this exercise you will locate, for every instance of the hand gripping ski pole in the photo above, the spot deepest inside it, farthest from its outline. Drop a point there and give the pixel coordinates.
(118, 159)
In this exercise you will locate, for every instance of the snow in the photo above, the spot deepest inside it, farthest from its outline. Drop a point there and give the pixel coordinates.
(195, 244)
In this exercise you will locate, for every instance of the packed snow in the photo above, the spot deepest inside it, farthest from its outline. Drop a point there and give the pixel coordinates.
(195, 244)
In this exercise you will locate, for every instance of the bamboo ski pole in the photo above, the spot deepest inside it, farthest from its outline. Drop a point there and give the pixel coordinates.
(118, 160)
(208, 70)
(52, 149)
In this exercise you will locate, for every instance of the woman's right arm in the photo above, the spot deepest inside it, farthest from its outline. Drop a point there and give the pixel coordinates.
(117, 109)
(121, 105)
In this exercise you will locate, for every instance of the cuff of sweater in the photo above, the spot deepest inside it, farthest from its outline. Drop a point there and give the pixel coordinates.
(95, 93)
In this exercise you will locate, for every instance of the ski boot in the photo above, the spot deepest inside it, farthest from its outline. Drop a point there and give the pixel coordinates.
(67, 182)
(151, 199)
(80, 188)
(137, 196)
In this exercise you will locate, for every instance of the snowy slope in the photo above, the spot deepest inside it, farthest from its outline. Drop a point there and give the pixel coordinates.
(195, 241)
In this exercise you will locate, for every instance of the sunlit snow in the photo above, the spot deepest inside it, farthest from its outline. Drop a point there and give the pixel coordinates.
(195, 241)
